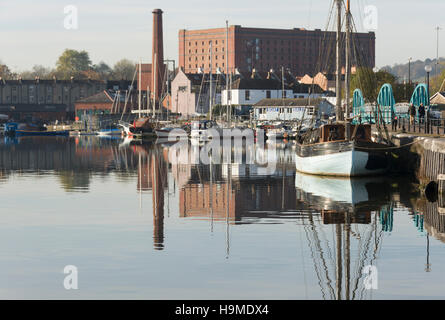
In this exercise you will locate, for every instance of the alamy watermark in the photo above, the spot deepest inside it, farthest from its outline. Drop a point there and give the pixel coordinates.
(370, 21)
(71, 21)
(70, 282)
(371, 281)
(226, 146)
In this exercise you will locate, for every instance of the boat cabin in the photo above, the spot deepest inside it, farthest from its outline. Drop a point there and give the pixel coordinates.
(336, 132)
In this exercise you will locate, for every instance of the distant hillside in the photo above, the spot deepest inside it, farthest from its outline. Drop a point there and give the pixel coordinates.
(417, 69)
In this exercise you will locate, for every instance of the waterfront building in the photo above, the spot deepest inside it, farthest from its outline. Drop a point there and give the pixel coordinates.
(263, 49)
(292, 109)
(247, 91)
(49, 99)
(190, 92)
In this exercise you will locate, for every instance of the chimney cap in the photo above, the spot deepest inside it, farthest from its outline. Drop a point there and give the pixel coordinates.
(157, 11)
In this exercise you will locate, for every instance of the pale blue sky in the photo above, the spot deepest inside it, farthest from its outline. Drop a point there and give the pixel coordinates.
(32, 32)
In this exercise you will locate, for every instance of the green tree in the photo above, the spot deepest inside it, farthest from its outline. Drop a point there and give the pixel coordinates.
(37, 71)
(103, 70)
(5, 72)
(73, 63)
(124, 70)
(438, 82)
(370, 82)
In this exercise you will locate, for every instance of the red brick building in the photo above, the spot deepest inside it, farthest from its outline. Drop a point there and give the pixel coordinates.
(299, 50)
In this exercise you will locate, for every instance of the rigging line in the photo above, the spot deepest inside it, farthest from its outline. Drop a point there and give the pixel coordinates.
(360, 248)
(362, 258)
(316, 267)
(375, 239)
(319, 66)
(129, 92)
(320, 251)
(302, 259)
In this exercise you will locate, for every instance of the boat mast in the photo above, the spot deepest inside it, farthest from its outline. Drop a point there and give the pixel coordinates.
(140, 86)
(282, 91)
(348, 69)
(227, 67)
(339, 113)
(211, 80)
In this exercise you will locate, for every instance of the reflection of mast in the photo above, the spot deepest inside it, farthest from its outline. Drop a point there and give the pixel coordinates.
(229, 188)
(339, 261)
(140, 183)
(158, 203)
(347, 254)
(211, 193)
(428, 264)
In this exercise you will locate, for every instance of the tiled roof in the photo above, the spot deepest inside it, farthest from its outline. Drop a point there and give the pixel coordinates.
(101, 97)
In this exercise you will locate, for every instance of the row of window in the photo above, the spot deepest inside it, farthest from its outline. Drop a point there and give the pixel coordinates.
(309, 110)
(203, 42)
(203, 50)
(204, 65)
(208, 58)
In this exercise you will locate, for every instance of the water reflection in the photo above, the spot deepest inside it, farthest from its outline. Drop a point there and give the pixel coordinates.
(341, 223)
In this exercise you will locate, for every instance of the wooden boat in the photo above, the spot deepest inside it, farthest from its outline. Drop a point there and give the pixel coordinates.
(341, 148)
(325, 151)
(142, 128)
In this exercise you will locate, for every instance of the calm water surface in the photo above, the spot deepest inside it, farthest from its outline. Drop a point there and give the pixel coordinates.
(139, 225)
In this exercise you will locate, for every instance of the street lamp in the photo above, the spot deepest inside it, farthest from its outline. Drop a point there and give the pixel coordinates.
(428, 69)
(409, 70)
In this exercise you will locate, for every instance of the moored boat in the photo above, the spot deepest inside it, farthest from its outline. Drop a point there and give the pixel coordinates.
(325, 151)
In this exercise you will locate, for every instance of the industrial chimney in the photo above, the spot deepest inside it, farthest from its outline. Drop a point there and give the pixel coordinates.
(157, 68)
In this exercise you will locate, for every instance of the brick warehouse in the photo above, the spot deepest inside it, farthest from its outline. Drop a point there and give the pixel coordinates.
(263, 49)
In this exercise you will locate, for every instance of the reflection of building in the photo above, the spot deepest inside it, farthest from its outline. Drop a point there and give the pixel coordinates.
(73, 160)
(241, 198)
(199, 200)
(434, 221)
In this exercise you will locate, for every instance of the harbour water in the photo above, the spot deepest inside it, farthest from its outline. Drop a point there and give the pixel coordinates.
(137, 224)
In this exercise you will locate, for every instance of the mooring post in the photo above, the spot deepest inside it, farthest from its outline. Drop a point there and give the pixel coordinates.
(441, 183)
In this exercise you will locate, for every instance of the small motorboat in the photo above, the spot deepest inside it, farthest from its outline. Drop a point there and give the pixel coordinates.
(109, 132)
(174, 132)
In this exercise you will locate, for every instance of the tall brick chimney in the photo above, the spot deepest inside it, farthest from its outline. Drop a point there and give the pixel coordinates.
(158, 50)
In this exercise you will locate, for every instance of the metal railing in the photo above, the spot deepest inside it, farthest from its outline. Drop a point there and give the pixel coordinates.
(420, 125)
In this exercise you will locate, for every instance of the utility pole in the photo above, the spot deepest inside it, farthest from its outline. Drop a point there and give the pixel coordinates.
(409, 70)
(437, 49)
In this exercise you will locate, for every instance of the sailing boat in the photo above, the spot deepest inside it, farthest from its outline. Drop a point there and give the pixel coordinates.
(205, 130)
(341, 149)
(142, 127)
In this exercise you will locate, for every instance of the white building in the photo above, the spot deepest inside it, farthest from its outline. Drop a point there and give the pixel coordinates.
(292, 109)
(246, 92)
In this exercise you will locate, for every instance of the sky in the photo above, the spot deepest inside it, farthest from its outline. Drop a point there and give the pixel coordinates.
(32, 32)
